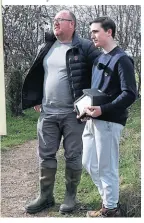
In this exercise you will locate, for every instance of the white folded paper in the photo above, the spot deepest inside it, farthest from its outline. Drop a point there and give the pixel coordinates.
(81, 103)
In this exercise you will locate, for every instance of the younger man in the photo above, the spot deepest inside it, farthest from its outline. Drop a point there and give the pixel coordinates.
(113, 73)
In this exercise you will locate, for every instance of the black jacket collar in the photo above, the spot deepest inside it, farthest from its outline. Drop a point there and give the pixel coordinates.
(50, 37)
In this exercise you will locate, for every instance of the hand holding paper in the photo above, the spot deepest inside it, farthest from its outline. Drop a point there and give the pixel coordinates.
(93, 111)
(89, 103)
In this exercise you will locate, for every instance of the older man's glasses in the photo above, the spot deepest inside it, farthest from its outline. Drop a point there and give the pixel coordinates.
(61, 20)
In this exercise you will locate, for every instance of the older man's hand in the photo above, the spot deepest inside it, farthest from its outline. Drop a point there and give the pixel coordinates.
(37, 108)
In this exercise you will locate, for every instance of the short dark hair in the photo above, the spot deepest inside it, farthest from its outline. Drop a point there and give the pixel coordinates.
(73, 17)
(106, 23)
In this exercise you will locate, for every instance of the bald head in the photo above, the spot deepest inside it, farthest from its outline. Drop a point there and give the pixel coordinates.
(70, 14)
(64, 25)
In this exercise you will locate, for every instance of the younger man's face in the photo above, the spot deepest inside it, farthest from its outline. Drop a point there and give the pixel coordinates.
(99, 35)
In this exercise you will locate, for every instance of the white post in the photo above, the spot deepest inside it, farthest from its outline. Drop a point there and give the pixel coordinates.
(2, 84)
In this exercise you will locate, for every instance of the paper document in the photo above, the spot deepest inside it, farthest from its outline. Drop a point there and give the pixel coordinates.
(83, 102)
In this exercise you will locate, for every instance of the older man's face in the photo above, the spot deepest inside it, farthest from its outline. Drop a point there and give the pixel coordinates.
(62, 24)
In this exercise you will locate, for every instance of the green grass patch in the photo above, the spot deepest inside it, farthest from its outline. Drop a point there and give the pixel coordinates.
(20, 129)
(130, 162)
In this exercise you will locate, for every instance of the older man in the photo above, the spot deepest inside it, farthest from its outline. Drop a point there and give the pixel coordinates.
(56, 79)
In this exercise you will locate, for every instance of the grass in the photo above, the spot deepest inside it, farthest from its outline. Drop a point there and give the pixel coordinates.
(24, 129)
(20, 129)
(130, 165)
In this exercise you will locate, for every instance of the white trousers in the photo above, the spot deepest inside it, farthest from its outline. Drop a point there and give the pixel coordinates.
(101, 158)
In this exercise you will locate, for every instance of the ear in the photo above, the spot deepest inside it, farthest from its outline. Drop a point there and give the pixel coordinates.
(109, 32)
(72, 24)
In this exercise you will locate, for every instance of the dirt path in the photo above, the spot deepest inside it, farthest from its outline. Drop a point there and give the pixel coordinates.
(19, 179)
(19, 184)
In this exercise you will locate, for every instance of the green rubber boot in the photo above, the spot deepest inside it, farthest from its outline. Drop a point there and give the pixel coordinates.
(72, 180)
(45, 198)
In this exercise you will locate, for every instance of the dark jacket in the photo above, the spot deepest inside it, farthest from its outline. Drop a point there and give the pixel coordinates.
(79, 61)
(113, 73)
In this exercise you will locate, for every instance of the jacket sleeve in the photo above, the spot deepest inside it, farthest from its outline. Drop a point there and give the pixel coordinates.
(90, 51)
(127, 85)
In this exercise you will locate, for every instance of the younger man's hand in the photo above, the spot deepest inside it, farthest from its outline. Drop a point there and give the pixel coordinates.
(93, 111)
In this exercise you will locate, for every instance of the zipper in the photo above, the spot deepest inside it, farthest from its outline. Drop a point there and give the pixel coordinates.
(69, 74)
